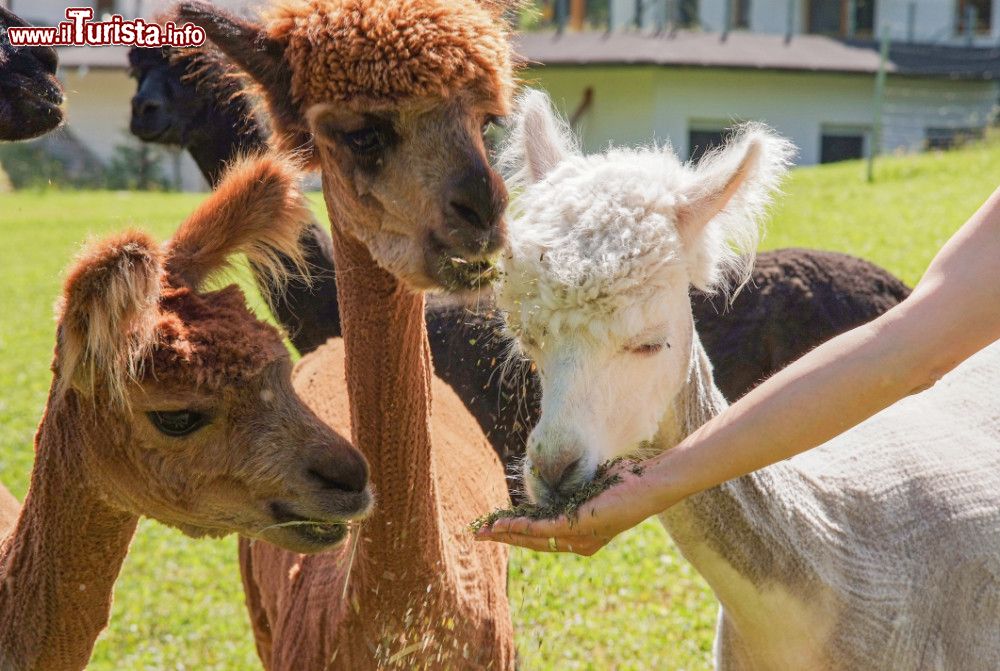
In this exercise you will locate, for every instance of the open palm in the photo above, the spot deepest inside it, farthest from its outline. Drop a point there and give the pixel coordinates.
(611, 512)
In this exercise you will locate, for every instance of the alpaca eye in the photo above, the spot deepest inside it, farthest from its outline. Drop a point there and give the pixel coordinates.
(177, 423)
(647, 349)
(365, 141)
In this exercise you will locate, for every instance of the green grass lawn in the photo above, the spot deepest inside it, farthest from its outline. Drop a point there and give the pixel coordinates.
(636, 605)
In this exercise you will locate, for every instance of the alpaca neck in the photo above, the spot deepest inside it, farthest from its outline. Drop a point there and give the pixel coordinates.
(226, 134)
(723, 531)
(389, 372)
(59, 564)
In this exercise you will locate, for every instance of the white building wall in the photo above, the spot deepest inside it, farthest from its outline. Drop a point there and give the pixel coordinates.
(636, 105)
(934, 20)
(914, 105)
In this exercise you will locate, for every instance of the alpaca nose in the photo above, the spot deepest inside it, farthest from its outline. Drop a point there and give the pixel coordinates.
(344, 471)
(476, 203)
(559, 474)
(47, 57)
(143, 105)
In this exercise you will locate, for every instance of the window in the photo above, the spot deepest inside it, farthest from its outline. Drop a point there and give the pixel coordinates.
(864, 17)
(983, 11)
(835, 148)
(830, 17)
(701, 138)
(740, 16)
(824, 17)
(949, 138)
(687, 13)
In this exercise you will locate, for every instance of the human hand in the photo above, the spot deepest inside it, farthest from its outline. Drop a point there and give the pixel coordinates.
(616, 509)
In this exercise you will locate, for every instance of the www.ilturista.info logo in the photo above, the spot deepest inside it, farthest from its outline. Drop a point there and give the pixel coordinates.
(78, 30)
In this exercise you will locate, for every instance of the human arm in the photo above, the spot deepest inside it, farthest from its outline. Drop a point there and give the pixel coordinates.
(952, 313)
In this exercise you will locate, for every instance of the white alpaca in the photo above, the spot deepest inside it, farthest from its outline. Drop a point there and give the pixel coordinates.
(879, 550)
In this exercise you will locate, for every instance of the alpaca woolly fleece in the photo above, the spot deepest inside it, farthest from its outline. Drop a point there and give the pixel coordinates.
(362, 51)
(600, 235)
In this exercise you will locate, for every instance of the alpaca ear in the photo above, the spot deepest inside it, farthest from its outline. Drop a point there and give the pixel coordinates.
(539, 140)
(720, 211)
(262, 58)
(258, 210)
(108, 312)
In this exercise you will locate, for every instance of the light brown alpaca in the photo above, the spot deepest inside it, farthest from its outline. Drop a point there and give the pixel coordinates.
(172, 403)
(391, 98)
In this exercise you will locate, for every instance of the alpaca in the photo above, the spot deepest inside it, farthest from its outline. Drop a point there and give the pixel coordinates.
(414, 205)
(192, 98)
(795, 299)
(30, 95)
(878, 550)
(171, 402)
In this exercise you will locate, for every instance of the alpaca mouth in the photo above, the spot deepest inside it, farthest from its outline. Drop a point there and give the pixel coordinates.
(455, 272)
(38, 100)
(314, 532)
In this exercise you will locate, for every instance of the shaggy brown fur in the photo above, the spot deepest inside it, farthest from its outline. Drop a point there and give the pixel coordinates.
(408, 188)
(401, 49)
(171, 403)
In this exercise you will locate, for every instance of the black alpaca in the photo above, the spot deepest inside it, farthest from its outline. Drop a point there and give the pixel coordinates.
(796, 298)
(30, 94)
(191, 99)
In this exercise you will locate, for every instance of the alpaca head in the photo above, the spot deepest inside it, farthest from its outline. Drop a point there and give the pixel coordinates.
(602, 252)
(30, 95)
(182, 398)
(391, 98)
(181, 94)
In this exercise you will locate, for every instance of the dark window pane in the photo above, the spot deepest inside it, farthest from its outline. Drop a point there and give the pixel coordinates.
(825, 17)
(687, 12)
(700, 141)
(947, 138)
(864, 17)
(835, 148)
(984, 14)
(741, 13)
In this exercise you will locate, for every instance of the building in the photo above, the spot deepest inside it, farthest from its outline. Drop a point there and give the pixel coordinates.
(684, 71)
(681, 71)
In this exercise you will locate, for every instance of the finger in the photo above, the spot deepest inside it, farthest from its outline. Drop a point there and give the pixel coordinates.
(520, 540)
(531, 527)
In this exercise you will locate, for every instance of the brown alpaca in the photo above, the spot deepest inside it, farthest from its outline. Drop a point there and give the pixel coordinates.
(390, 97)
(172, 403)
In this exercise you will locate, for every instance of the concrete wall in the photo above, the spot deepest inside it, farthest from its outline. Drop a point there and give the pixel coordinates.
(637, 105)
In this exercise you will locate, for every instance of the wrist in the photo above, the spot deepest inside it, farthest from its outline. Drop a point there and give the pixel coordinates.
(660, 480)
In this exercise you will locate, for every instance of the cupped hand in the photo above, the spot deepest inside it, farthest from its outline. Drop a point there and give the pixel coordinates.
(616, 509)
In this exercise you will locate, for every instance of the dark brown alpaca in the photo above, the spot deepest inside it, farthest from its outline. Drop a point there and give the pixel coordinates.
(30, 95)
(170, 402)
(796, 299)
